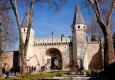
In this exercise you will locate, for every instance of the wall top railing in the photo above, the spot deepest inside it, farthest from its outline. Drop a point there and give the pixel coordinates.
(56, 39)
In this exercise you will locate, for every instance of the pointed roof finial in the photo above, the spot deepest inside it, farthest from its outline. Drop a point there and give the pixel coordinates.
(78, 17)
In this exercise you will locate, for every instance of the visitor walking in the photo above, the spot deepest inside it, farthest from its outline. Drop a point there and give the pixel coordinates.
(6, 69)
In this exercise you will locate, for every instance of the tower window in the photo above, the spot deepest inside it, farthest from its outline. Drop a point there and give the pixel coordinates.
(24, 30)
(84, 26)
(78, 26)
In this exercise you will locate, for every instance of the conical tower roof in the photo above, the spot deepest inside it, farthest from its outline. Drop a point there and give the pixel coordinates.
(26, 20)
(78, 17)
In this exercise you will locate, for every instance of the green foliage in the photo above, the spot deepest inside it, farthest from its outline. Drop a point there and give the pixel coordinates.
(93, 38)
(93, 72)
(39, 76)
(61, 73)
(0, 75)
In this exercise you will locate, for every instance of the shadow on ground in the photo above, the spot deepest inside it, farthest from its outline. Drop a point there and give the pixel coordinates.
(109, 72)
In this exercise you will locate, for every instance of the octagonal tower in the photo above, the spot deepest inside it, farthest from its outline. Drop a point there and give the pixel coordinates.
(79, 39)
(30, 50)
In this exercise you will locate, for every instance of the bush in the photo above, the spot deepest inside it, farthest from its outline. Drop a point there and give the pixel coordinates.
(92, 72)
(39, 76)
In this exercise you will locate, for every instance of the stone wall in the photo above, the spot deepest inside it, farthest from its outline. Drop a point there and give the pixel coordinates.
(8, 58)
(11, 58)
(95, 58)
(40, 50)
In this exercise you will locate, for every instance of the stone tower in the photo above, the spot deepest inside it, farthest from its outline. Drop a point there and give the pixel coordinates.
(31, 39)
(24, 30)
(79, 39)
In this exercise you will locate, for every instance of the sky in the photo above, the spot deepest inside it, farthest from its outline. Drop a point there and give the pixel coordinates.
(46, 21)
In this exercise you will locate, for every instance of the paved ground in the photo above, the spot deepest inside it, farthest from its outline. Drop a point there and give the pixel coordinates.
(71, 78)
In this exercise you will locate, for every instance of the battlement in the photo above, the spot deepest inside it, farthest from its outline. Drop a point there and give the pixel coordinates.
(52, 40)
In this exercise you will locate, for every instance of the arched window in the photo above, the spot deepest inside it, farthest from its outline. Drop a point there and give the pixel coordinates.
(24, 30)
(78, 26)
(84, 27)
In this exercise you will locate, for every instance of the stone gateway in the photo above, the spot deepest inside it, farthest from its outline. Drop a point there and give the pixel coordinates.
(57, 52)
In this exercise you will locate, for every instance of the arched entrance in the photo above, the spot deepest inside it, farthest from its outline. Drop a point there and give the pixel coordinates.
(55, 58)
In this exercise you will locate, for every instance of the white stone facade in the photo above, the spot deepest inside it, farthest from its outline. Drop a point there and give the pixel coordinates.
(80, 44)
(41, 52)
(38, 52)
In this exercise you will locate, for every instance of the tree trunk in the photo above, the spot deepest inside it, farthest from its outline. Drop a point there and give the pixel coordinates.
(23, 46)
(24, 67)
(1, 51)
(1, 62)
(23, 61)
(109, 56)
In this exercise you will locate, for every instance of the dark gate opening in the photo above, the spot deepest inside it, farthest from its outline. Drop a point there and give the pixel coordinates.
(56, 58)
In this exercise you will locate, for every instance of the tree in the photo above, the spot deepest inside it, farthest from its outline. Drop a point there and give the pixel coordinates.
(114, 40)
(109, 56)
(73, 66)
(7, 36)
(29, 5)
(94, 30)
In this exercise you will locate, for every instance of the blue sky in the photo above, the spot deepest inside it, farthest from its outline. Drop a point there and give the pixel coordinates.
(46, 21)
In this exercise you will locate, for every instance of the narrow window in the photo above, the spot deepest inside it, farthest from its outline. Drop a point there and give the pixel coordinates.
(84, 27)
(24, 30)
(78, 26)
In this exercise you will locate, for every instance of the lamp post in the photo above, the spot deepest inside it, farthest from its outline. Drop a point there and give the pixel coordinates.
(52, 36)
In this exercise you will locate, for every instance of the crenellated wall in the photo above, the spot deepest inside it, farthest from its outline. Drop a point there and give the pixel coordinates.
(41, 50)
(39, 58)
(47, 40)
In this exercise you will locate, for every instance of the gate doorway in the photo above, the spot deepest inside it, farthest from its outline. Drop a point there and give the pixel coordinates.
(55, 58)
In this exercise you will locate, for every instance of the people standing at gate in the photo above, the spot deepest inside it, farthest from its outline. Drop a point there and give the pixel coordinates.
(6, 69)
(54, 62)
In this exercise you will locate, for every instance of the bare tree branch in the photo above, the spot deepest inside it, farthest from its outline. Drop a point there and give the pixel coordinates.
(95, 6)
(29, 25)
(15, 9)
(110, 14)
